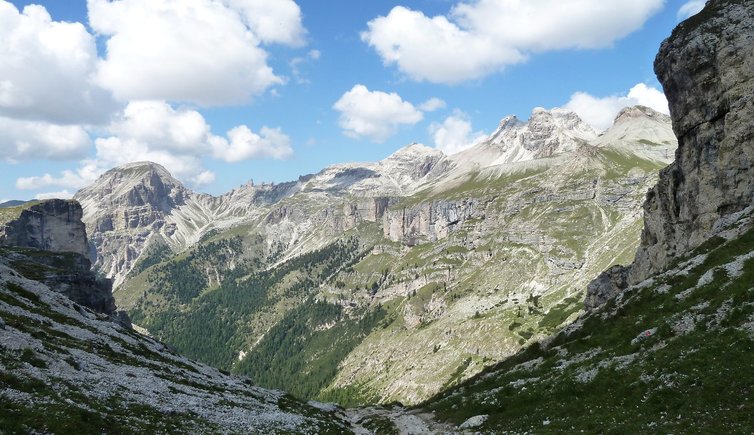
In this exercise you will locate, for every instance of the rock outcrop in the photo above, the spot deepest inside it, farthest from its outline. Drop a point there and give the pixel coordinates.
(429, 221)
(47, 242)
(706, 68)
(53, 225)
(66, 273)
(606, 286)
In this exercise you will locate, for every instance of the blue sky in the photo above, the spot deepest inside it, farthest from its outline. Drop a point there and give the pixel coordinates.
(223, 91)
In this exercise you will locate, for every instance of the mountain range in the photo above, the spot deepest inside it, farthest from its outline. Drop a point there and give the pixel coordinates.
(418, 256)
(549, 279)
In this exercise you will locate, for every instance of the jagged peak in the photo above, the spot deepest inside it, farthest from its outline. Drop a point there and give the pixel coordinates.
(639, 111)
(563, 118)
(510, 121)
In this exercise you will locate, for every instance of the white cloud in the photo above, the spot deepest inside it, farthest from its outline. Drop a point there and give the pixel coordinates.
(27, 140)
(297, 62)
(374, 115)
(68, 178)
(179, 139)
(432, 104)
(63, 194)
(483, 36)
(601, 112)
(202, 51)
(455, 133)
(277, 21)
(691, 8)
(244, 144)
(46, 67)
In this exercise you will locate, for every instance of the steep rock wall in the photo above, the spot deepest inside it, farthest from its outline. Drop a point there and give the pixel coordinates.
(706, 68)
(430, 221)
(53, 225)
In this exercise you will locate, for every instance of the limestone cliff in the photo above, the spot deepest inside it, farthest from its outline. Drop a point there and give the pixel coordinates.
(46, 241)
(66, 273)
(53, 225)
(706, 68)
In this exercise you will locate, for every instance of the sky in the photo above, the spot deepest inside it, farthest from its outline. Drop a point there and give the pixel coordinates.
(221, 92)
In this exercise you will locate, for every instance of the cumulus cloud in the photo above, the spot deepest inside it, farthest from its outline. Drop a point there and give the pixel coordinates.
(26, 140)
(455, 133)
(179, 139)
(156, 52)
(46, 67)
(691, 8)
(480, 37)
(373, 114)
(244, 144)
(68, 179)
(277, 21)
(63, 194)
(432, 104)
(601, 112)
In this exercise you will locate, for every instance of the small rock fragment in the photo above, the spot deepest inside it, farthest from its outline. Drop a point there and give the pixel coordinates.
(474, 421)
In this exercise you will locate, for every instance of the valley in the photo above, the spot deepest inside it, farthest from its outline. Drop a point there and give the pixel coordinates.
(352, 274)
(552, 278)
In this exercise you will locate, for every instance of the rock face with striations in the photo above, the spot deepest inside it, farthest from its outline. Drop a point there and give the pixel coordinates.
(124, 208)
(52, 225)
(706, 68)
(47, 242)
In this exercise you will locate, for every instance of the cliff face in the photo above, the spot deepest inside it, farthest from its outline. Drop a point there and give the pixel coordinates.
(53, 225)
(706, 68)
(47, 242)
(67, 273)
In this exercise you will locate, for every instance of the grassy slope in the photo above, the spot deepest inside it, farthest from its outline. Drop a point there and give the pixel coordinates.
(694, 375)
(8, 214)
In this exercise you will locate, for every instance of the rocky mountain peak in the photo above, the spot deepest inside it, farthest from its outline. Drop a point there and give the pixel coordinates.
(413, 150)
(545, 122)
(135, 185)
(546, 133)
(642, 131)
(508, 122)
(412, 162)
(636, 112)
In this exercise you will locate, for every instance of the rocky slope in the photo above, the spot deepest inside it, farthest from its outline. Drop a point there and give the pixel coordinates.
(66, 369)
(669, 355)
(705, 69)
(52, 225)
(416, 257)
(70, 363)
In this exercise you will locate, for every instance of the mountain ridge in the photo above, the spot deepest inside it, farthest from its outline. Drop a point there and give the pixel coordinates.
(437, 258)
(178, 217)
